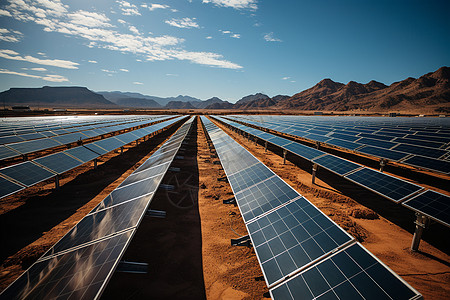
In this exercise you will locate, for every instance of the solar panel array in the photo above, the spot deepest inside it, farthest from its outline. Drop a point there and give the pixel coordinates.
(290, 235)
(383, 184)
(419, 142)
(32, 172)
(80, 265)
(62, 135)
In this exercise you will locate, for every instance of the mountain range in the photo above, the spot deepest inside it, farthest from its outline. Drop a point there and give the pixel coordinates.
(429, 93)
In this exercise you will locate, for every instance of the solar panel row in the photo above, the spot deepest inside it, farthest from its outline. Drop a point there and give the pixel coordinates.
(32, 172)
(429, 147)
(80, 265)
(383, 184)
(30, 146)
(291, 236)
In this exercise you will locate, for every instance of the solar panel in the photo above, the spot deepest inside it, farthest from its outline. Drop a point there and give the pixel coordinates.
(347, 137)
(102, 224)
(8, 187)
(109, 144)
(263, 197)
(249, 176)
(134, 190)
(343, 144)
(279, 141)
(376, 143)
(335, 164)
(432, 204)
(303, 151)
(6, 153)
(352, 273)
(82, 153)
(388, 186)
(419, 150)
(34, 145)
(419, 142)
(316, 137)
(293, 236)
(80, 274)
(383, 153)
(429, 163)
(10, 139)
(58, 162)
(94, 148)
(140, 175)
(127, 138)
(69, 138)
(27, 173)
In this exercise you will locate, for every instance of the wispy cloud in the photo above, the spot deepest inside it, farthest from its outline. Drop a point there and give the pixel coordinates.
(52, 78)
(109, 71)
(13, 55)
(39, 69)
(236, 36)
(134, 30)
(270, 38)
(183, 23)
(12, 36)
(236, 4)
(128, 9)
(56, 17)
(124, 70)
(92, 61)
(285, 78)
(174, 75)
(153, 6)
(209, 37)
(231, 34)
(137, 82)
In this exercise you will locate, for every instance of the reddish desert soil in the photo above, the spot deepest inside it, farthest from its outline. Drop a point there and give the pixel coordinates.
(189, 252)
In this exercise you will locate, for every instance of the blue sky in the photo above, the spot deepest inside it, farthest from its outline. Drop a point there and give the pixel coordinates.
(223, 48)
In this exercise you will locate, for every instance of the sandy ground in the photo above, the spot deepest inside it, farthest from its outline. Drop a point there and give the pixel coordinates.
(189, 252)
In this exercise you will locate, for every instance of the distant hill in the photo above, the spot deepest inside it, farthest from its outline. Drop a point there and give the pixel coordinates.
(137, 103)
(116, 95)
(429, 93)
(179, 105)
(209, 102)
(68, 97)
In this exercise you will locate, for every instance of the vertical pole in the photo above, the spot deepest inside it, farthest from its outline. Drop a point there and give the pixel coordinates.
(265, 146)
(56, 182)
(317, 145)
(95, 163)
(121, 150)
(284, 156)
(382, 164)
(420, 226)
(314, 169)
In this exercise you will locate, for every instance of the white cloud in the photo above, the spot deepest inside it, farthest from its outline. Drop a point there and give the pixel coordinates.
(92, 61)
(225, 31)
(231, 34)
(154, 6)
(236, 36)
(53, 78)
(236, 4)
(285, 78)
(270, 38)
(128, 9)
(137, 82)
(209, 37)
(89, 19)
(169, 74)
(39, 69)
(101, 34)
(124, 70)
(42, 53)
(109, 71)
(5, 13)
(12, 36)
(293, 81)
(134, 30)
(182, 23)
(13, 55)
(121, 21)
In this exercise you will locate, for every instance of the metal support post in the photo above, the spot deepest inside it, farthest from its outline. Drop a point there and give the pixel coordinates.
(265, 146)
(382, 164)
(420, 226)
(95, 163)
(317, 145)
(284, 156)
(56, 182)
(314, 170)
(121, 150)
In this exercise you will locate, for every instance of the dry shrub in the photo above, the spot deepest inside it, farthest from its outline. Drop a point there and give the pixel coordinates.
(364, 213)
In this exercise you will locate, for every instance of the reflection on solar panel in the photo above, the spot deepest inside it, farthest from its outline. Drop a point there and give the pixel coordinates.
(8, 187)
(432, 204)
(109, 144)
(27, 173)
(58, 162)
(335, 164)
(34, 145)
(293, 236)
(249, 176)
(352, 273)
(79, 274)
(303, 151)
(383, 184)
